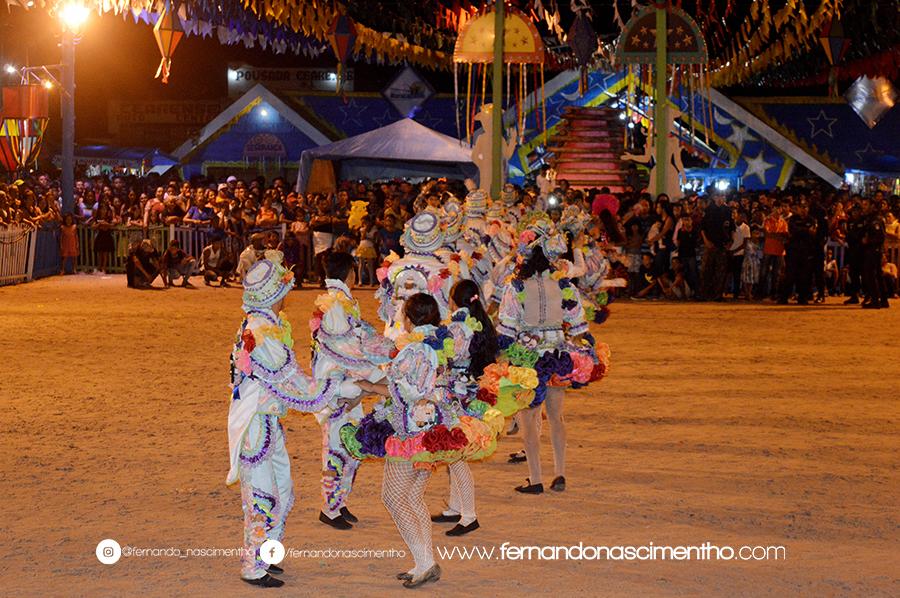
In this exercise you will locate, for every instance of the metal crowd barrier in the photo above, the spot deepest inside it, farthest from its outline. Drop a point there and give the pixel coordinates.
(892, 250)
(838, 250)
(191, 239)
(15, 245)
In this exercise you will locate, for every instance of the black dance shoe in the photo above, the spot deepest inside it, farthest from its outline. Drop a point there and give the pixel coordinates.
(266, 581)
(558, 484)
(403, 576)
(446, 518)
(275, 570)
(345, 512)
(530, 488)
(517, 457)
(461, 530)
(337, 523)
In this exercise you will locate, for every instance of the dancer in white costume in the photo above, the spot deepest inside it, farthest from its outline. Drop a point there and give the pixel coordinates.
(542, 323)
(418, 271)
(266, 382)
(345, 347)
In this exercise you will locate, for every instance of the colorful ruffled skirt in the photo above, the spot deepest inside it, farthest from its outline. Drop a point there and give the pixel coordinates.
(567, 364)
(469, 439)
(502, 391)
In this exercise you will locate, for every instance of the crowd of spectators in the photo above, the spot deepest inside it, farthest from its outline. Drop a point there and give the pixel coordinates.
(759, 245)
(744, 245)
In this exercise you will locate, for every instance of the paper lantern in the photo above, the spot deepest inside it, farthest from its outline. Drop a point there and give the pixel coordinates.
(168, 33)
(834, 41)
(342, 35)
(583, 41)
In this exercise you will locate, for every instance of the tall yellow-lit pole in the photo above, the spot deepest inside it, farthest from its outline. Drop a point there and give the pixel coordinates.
(497, 100)
(662, 99)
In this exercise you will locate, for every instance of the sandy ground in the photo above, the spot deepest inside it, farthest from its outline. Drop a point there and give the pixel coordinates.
(737, 425)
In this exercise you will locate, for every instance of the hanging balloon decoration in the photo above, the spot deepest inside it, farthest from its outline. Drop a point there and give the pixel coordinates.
(836, 44)
(168, 33)
(25, 114)
(522, 46)
(583, 41)
(342, 36)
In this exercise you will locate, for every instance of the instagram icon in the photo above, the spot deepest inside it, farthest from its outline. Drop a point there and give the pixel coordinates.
(108, 551)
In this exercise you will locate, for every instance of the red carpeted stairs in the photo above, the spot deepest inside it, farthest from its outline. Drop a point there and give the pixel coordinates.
(587, 148)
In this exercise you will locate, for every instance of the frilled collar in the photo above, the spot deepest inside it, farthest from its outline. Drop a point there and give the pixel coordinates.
(264, 312)
(338, 285)
(426, 330)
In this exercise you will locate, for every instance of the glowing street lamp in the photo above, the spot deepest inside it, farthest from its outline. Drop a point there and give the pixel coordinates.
(72, 15)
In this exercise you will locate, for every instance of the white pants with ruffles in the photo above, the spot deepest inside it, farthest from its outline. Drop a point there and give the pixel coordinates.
(267, 491)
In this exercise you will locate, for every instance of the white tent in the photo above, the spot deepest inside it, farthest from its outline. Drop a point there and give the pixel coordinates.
(401, 149)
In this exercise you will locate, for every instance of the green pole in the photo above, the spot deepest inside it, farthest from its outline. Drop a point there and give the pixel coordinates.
(661, 107)
(497, 100)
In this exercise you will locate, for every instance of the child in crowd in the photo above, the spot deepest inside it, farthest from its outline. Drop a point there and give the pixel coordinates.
(647, 284)
(291, 250)
(752, 262)
(832, 274)
(366, 252)
(300, 228)
(68, 244)
(634, 238)
(344, 346)
(389, 237)
(679, 288)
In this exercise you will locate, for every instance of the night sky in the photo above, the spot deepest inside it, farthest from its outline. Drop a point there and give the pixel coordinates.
(117, 59)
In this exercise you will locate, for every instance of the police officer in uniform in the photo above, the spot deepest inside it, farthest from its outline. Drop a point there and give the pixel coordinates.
(856, 228)
(800, 250)
(872, 249)
(818, 213)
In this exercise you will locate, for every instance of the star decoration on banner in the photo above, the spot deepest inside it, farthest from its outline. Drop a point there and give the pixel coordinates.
(739, 136)
(351, 112)
(818, 126)
(869, 150)
(758, 167)
(385, 118)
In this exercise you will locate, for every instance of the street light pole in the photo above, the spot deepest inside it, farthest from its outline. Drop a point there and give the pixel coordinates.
(67, 101)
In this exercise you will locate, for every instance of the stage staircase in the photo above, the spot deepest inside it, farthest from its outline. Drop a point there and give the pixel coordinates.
(587, 147)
